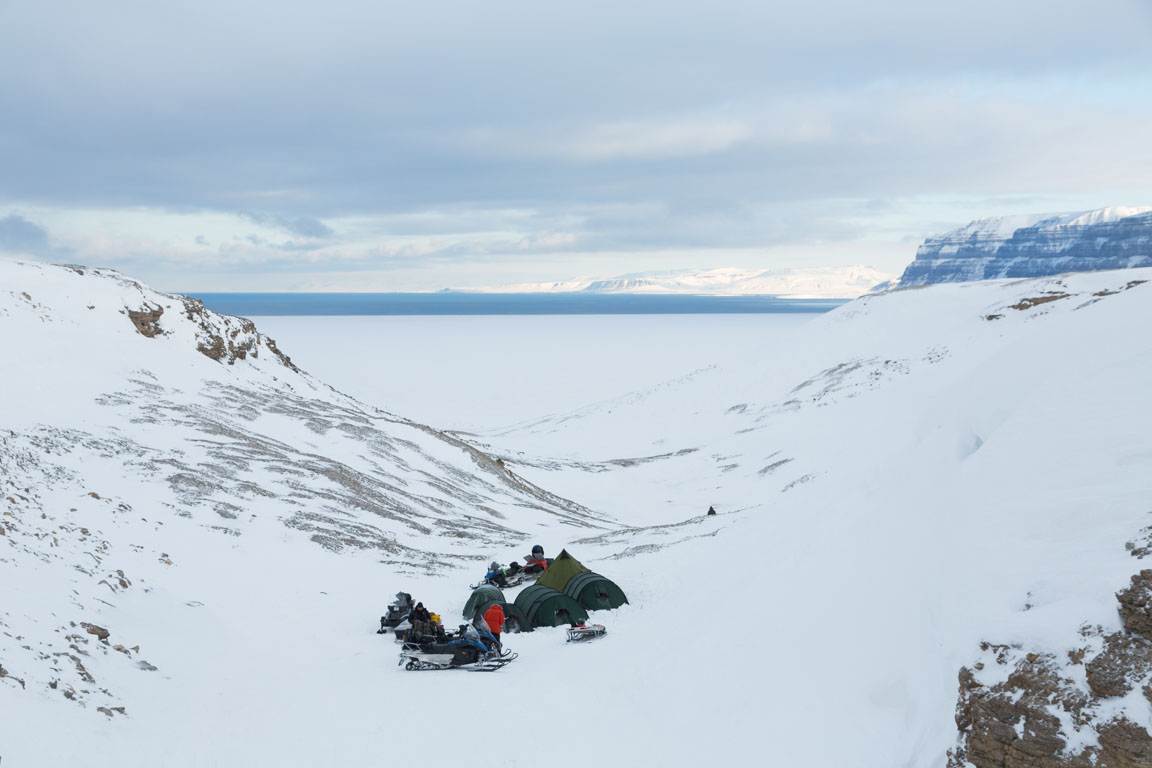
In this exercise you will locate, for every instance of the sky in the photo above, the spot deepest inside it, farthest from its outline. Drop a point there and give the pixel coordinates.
(277, 146)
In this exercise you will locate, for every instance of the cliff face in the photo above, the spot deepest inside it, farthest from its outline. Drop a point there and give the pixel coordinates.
(1035, 246)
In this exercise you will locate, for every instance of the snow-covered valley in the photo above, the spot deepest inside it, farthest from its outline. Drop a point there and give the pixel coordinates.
(898, 482)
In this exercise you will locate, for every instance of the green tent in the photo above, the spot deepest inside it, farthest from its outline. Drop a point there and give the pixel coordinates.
(485, 593)
(514, 618)
(546, 607)
(594, 592)
(560, 570)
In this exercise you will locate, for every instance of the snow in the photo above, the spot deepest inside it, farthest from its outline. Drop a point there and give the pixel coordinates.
(996, 228)
(796, 283)
(895, 481)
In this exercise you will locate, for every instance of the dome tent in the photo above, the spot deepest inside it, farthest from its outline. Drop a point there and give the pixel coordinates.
(595, 592)
(514, 618)
(485, 593)
(547, 607)
(560, 570)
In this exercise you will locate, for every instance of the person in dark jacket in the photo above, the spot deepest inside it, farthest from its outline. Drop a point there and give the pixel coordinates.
(536, 562)
(497, 575)
(421, 619)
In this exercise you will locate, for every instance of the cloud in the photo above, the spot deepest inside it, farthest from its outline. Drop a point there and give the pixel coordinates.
(18, 235)
(658, 138)
(400, 141)
(304, 226)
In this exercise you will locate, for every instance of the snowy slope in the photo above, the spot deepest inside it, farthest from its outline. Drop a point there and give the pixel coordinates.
(150, 447)
(918, 472)
(801, 283)
(924, 471)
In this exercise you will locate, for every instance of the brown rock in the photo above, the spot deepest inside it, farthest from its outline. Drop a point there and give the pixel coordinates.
(1124, 657)
(92, 629)
(1009, 725)
(1124, 745)
(147, 321)
(1136, 605)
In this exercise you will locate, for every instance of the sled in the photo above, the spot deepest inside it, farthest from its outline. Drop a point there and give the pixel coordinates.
(584, 632)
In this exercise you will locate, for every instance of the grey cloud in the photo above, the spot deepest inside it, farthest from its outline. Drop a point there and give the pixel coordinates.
(21, 236)
(636, 126)
(18, 235)
(305, 226)
(321, 118)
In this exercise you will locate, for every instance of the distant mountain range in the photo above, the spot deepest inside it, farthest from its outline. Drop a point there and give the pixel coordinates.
(1035, 245)
(804, 283)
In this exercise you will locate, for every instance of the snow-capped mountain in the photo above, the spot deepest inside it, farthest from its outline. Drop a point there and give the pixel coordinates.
(1036, 245)
(927, 501)
(800, 283)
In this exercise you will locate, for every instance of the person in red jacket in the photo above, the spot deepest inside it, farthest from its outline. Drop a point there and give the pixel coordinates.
(494, 618)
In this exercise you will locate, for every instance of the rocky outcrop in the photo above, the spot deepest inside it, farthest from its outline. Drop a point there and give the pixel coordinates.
(1038, 710)
(227, 339)
(1035, 246)
(147, 321)
(1136, 605)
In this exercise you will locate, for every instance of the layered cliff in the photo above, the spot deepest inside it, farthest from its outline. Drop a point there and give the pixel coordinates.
(1035, 246)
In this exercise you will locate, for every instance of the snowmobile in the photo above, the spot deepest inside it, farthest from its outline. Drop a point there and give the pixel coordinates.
(468, 649)
(579, 633)
(515, 574)
(506, 578)
(397, 613)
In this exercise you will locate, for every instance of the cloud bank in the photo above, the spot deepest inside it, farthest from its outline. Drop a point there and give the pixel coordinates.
(528, 138)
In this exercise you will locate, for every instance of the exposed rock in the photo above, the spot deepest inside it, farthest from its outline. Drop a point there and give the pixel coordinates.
(147, 321)
(227, 339)
(1124, 745)
(1011, 724)
(92, 629)
(1032, 710)
(1033, 301)
(1136, 605)
(1125, 657)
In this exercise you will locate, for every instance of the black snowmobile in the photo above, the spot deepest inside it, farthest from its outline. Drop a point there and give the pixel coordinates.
(469, 649)
(397, 614)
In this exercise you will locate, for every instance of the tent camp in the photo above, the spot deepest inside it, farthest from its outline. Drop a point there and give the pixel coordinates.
(594, 592)
(547, 607)
(560, 570)
(514, 618)
(485, 593)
